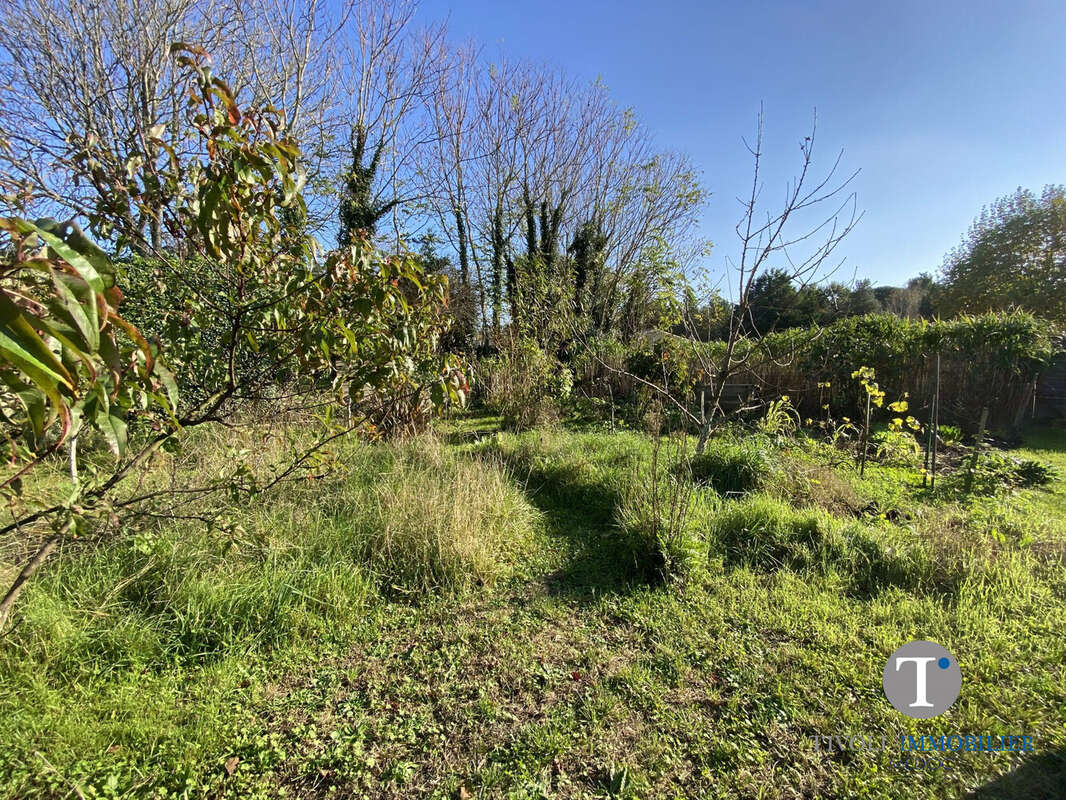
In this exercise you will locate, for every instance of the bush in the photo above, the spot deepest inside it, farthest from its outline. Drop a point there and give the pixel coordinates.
(997, 473)
(986, 356)
(734, 467)
(525, 385)
(656, 517)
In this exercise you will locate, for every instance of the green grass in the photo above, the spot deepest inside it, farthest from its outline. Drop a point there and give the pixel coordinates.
(474, 620)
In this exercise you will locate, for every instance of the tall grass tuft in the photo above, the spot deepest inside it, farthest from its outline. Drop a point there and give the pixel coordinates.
(766, 534)
(434, 520)
(656, 515)
(734, 467)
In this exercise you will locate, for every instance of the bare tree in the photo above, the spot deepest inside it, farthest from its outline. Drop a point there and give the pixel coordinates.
(784, 238)
(100, 80)
(444, 164)
(799, 236)
(389, 72)
(524, 158)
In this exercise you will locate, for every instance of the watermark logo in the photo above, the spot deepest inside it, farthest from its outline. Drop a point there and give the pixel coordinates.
(922, 679)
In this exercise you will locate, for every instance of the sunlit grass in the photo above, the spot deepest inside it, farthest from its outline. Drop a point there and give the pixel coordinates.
(470, 619)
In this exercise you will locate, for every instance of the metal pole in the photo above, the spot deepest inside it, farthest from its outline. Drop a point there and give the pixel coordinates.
(936, 422)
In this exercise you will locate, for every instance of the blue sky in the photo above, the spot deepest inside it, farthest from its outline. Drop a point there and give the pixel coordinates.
(944, 106)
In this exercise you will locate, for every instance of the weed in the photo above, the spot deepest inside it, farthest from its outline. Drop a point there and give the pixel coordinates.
(655, 515)
(998, 473)
(734, 467)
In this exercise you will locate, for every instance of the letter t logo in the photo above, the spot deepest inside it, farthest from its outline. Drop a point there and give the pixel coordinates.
(920, 667)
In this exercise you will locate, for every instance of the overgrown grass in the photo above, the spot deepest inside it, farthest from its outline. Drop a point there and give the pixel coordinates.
(733, 467)
(478, 620)
(422, 518)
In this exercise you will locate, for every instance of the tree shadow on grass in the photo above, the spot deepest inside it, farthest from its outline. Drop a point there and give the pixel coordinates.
(1042, 777)
(470, 435)
(580, 515)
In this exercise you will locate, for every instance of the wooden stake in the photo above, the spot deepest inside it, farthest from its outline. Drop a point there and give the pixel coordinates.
(976, 449)
(936, 423)
(865, 437)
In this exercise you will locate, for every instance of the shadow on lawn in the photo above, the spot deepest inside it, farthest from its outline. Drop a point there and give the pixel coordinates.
(469, 435)
(580, 514)
(1042, 777)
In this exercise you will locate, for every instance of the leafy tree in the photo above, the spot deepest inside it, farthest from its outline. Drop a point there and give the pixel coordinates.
(462, 307)
(652, 293)
(862, 300)
(587, 254)
(67, 360)
(262, 319)
(923, 287)
(776, 303)
(913, 301)
(1013, 256)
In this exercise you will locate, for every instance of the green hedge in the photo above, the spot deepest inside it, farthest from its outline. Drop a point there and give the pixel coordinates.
(986, 359)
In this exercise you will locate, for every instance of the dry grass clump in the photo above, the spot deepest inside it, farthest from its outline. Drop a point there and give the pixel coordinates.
(433, 519)
(807, 484)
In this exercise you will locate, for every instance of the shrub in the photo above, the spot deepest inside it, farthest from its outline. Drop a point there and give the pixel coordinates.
(997, 472)
(734, 467)
(524, 385)
(655, 517)
(985, 356)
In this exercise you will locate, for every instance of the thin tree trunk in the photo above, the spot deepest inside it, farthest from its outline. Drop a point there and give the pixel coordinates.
(718, 388)
(936, 423)
(27, 572)
(74, 460)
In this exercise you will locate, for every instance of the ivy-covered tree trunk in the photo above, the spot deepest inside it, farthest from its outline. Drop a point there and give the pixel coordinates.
(464, 257)
(498, 245)
(359, 211)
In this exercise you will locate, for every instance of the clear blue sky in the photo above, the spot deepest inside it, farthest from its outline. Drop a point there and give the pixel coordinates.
(944, 106)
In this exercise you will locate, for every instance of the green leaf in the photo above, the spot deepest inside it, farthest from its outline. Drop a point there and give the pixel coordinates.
(32, 401)
(77, 323)
(23, 347)
(88, 261)
(113, 427)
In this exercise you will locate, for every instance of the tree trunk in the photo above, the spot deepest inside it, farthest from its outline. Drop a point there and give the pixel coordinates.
(27, 572)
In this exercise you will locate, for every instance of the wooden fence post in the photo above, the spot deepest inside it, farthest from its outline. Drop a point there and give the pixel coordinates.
(976, 450)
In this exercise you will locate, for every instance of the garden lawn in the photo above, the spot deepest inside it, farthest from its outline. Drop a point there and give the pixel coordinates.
(529, 645)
